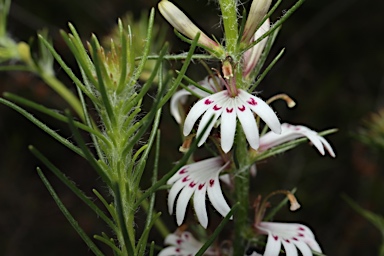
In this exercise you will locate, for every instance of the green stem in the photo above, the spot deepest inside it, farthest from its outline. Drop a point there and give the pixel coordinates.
(228, 10)
(241, 192)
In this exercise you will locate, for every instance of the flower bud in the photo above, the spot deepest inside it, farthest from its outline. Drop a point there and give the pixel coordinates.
(257, 12)
(183, 24)
(252, 56)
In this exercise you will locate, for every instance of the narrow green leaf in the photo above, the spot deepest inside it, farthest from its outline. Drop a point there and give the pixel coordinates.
(87, 154)
(217, 231)
(71, 185)
(270, 66)
(43, 127)
(67, 70)
(108, 242)
(69, 217)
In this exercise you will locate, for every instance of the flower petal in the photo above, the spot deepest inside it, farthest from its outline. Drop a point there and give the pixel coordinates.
(199, 204)
(289, 248)
(248, 123)
(216, 197)
(228, 126)
(173, 194)
(207, 124)
(182, 202)
(273, 246)
(262, 109)
(178, 97)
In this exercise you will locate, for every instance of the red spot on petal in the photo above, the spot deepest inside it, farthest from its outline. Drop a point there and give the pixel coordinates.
(229, 110)
(179, 241)
(301, 229)
(242, 108)
(186, 178)
(275, 237)
(177, 249)
(208, 101)
(216, 108)
(295, 239)
(211, 182)
(201, 186)
(252, 102)
(182, 171)
(186, 236)
(297, 128)
(300, 234)
(286, 240)
(192, 184)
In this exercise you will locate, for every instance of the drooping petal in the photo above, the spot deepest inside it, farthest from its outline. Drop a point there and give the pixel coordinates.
(292, 236)
(199, 204)
(216, 197)
(228, 126)
(199, 108)
(291, 132)
(177, 98)
(248, 123)
(262, 109)
(273, 246)
(197, 179)
(182, 202)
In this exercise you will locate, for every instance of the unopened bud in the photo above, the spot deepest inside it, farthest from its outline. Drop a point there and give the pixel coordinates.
(257, 12)
(24, 52)
(183, 24)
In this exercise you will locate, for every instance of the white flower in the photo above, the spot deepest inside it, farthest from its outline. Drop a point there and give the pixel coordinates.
(229, 108)
(183, 244)
(210, 82)
(290, 132)
(198, 179)
(291, 235)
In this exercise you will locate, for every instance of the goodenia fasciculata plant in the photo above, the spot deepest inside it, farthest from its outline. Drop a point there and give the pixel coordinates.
(227, 117)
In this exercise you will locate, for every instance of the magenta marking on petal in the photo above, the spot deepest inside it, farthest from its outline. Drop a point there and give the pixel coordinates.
(275, 237)
(177, 249)
(301, 234)
(301, 229)
(201, 186)
(186, 178)
(211, 182)
(192, 184)
(229, 110)
(179, 241)
(297, 128)
(252, 102)
(286, 240)
(242, 108)
(208, 101)
(182, 171)
(186, 236)
(216, 108)
(294, 238)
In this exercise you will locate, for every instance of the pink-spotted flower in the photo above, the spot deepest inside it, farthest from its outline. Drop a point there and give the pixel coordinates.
(222, 104)
(212, 83)
(183, 244)
(292, 236)
(198, 179)
(290, 132)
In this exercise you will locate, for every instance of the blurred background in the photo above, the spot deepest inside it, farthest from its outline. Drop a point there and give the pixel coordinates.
(333, 67)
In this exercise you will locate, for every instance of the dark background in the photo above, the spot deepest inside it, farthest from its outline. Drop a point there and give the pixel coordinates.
(333, 68)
